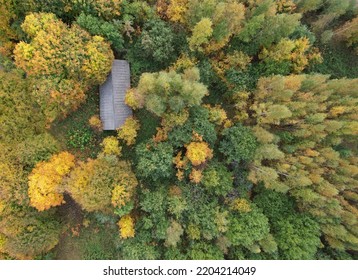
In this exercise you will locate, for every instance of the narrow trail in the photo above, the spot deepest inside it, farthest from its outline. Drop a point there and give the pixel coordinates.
(71, 215)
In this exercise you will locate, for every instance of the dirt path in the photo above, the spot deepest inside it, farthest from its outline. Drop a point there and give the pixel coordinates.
(72, 216)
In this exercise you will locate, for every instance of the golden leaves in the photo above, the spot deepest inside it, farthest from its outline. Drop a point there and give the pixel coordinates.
(196, 176)
(133, 99)
(128, 132)
(110, 146)
(198, 153)
(217, 114)
(176, 10)
(62, 61)
(241, 205)
(126, 227)
(120, 196)
(108, 9)
(202, 32)
(299, 52)
(96, 123)
(45, 180)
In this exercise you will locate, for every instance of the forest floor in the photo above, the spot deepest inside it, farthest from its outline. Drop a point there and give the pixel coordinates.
(84, 237)
(72, 216)
(338, 61)
(74, 132)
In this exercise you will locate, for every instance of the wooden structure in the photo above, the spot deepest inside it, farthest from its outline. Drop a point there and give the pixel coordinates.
(113, 110)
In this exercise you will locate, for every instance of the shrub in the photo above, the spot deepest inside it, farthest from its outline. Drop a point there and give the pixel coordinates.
(79, 138)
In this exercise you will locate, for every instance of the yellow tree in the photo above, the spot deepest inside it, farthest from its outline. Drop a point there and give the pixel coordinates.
(223, 62)
(110, 146)
(45, 181)
(128, 132)
(56, 49)
(108, 9)
(198, 153)
(174, 10)
(57, 97)
(219, 20)
(96, 184)
(201, 35)
(126, 227)
(120, 196)
(299, 52)
(62, 62)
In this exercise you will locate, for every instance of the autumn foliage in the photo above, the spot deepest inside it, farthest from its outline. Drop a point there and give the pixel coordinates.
(242, 143)
(93, 183)
(45, 181)
(128, 131)
(126, 227)
(63, 61)
(120, 196)
(110, 146)
(198, 152)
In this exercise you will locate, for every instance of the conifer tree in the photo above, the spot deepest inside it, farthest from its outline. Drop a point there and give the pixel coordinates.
(301, 122)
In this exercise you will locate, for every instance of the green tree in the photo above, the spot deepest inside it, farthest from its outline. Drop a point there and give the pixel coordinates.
(238, 143)
(297, 237)
(154, 160)
(248, 228)
(35, 149)
(198, 122)
(97, 26)
(316, 115)
(13, 181)
(140, 247)
(297, 234)
(70, 9)
(204, 251)
(154, 204)
(217, 179)
(20, 118)
(157, 42)
(169, 91)
(275, 205)
(264, 26)
(25, 233)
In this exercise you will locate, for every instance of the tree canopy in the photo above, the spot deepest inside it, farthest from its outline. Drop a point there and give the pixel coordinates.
(242, 143)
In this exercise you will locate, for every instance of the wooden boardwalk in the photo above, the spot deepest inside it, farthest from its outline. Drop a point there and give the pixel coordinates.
(113, 110)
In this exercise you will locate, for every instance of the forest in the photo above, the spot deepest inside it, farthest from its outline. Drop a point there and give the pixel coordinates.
(242, 144)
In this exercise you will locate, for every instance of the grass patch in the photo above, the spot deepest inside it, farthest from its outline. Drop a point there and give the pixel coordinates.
(75, 134)
(97, 244)
(338, 61)
(79, 138)
(97, 239)
(148, 125)
(91, 239)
